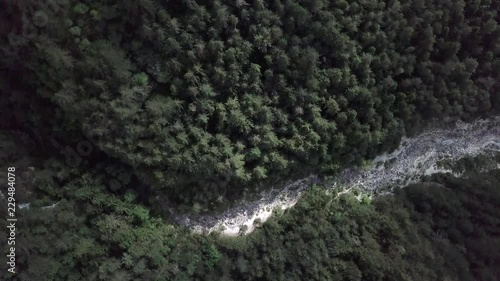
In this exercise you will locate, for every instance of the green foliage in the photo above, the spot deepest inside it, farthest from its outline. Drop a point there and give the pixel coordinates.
(81, 8)
(212, 256)
(237, 95)
(75, 30)
(443, 228)
(199, 101)
(140, 79)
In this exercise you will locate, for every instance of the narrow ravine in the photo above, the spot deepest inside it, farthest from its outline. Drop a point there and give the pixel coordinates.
(416, 156)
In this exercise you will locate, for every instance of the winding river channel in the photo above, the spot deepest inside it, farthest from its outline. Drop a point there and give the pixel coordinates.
(416, 156)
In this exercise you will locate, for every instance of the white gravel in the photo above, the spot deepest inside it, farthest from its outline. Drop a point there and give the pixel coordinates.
(416, 156)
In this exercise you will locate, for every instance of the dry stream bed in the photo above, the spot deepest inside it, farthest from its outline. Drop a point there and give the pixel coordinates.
(415, 157)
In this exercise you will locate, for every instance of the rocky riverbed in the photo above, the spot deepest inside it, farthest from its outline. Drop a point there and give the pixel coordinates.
(243, 218)
(416, 156)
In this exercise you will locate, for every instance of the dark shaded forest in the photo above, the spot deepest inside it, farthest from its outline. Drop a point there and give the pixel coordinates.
(443, 228)
(202, 96)
(107, 106)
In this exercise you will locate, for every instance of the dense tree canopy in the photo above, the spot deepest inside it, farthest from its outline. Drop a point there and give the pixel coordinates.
(198, 96)
(107, 105)
(444, 228)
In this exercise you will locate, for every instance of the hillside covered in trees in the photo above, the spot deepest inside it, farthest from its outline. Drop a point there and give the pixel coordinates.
(202, 96)
(109, 106)
(444, 228)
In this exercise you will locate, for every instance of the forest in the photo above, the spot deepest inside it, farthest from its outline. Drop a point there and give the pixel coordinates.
(109, 107)
(444, 228)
